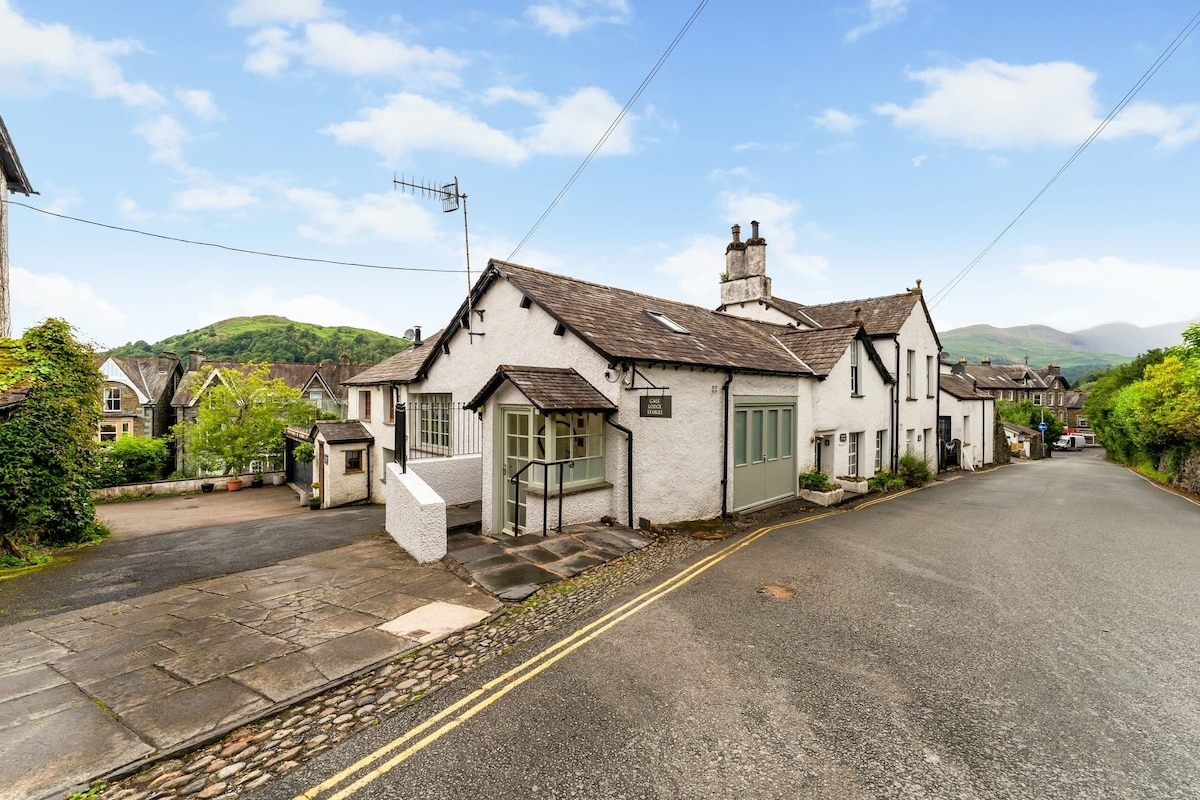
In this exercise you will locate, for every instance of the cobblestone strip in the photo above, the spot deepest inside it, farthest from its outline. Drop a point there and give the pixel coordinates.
(254, 754)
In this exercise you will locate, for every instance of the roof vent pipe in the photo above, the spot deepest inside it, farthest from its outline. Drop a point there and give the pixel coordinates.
(416, 335)
(753, 229)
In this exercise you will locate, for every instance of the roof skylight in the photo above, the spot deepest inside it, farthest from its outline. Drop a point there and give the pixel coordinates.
(667, 322)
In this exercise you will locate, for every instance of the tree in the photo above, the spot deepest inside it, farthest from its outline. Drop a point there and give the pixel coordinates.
(242, 417)
(48, 443)
(1027, 414)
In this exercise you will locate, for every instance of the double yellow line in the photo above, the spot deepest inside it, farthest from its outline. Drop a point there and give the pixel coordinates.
(374, 766)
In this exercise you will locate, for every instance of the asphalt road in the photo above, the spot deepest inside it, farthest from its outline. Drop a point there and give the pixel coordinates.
(130, 566)
(1031, 632)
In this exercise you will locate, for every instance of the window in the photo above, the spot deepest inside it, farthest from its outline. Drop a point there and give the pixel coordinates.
(364, 405)
(930, 377)
(966, 431)
(855, 388)
(389, 413)
(108, 432)
(124, 428)
(1037, 399)
(314, 397)
(928, 433)
(880, 437)
(576, 436)
(112, 399)
(739, 438)
(908, 441)
(910, 365)
(354, 460)
(667, 322)
(433, 422)
(852, 455)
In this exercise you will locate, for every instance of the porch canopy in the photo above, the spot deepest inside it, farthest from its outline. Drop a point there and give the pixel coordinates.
(548, 389)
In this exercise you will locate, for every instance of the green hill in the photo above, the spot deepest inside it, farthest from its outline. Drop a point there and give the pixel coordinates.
(270, 338)
(1040, 344)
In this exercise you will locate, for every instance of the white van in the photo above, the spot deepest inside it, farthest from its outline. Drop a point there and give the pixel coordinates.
(1069, 441)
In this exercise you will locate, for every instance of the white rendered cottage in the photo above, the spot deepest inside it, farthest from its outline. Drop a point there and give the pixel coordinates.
(648, 409)
(969, 414)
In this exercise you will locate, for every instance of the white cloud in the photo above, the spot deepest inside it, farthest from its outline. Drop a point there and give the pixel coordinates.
(565, 17)
(200, 102)
(919, 160)
(166, 137)
(831, 119)
(393, 216)
(333, 46)
(500, 94)
(64, 199)
(289, 12)
(576, 123)
(215, 197)
(36, 297)
(987, 104)
(128, 208)
(311, 307)
(880, 14)
(1108, 289)
(40, 57)
(697, 268)
(411, 122)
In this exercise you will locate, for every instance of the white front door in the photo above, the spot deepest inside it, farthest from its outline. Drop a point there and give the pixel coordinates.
(515, 450)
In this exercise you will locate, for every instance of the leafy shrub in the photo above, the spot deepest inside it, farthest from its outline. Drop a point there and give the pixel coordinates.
(913, 471)
(304, 453)
(885, 481)
(814, 481)
(130, 459)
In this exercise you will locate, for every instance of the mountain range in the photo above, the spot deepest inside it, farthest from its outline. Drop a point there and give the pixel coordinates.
(1077, 353)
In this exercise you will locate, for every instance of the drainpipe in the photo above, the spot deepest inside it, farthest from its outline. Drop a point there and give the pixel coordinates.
(628, 467)
(937, 407)
(896, 409)
(725, 446)
(369, 449)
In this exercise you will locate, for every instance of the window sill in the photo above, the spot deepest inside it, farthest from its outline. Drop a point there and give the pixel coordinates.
(854, 396)
(536, 490)
(911, 399)
(354, 472)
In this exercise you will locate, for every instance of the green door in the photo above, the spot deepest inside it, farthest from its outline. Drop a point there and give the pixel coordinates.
(764, 468)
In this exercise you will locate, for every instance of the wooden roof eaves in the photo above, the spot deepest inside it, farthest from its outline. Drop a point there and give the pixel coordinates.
(873, 354)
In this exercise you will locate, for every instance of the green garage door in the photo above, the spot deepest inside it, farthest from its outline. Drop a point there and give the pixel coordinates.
(764, 437)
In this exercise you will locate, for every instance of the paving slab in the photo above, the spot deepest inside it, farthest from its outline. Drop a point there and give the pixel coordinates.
(198, 666)
(24, 649)
(502, 578)
(43, 703)
(137, 687)
(434, 621)
(187, 715)
(573, 565)
(282, 678)
(49, 755)
(28, 681)
(348, 654)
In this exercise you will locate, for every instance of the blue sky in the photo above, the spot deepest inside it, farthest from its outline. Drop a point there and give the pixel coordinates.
(877, 141)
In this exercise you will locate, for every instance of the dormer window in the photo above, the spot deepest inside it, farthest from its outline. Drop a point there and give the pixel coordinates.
(668, 323)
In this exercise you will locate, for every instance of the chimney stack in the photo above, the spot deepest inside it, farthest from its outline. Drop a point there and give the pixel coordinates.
(986, 361)
(195, 359)
(745, 279)
(1054, 369)
(167, 361)
(417, 335)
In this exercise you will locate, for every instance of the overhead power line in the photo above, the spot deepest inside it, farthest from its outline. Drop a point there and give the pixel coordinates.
(612, 127)
(1175, 44)
(231, 248)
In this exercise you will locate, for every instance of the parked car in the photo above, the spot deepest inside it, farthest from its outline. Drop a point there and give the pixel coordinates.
(1069, 441)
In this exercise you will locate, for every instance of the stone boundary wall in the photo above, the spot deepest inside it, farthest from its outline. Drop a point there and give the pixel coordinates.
(416, 515)
(1189, 475)
(188, 486)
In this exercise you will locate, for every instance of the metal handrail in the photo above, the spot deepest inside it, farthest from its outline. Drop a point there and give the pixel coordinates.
(516, 482)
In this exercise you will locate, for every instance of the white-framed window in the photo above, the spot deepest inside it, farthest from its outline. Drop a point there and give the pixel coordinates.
(910, 436)
(966, 431)
(315, 396)
(855, 385)
(578, 436)
(1037, 399)
(108, 431)
(852, 455)
(910, 364)
(930, 377)
(926, 435)
(880, 438)
(112, 399)
(433, 422)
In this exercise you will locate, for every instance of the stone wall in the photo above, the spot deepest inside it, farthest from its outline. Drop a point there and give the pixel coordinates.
(1188, 476)
(1003, 456)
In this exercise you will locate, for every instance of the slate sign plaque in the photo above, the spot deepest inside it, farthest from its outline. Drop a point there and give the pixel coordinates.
(659, 406)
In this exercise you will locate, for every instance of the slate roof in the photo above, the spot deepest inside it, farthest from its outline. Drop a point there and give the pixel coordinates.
(549, 389)
(1021, 429)
(10, 162)
(342, 431)
(822, 348)
(295, 376)
(616, 323)
(962, 387)
(881, 316)
(404, 367)
(1076, 399)
(1005, 376)
(146, 374)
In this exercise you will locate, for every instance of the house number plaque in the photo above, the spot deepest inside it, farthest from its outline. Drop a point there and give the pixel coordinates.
(659, 406)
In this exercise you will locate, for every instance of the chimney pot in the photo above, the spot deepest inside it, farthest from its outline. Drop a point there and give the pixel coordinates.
(986, 361)
(753, 229)
(962, 360)
(737, 233)
(416, 335)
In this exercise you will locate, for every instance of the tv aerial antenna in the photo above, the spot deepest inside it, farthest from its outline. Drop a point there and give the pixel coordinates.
(452, 198)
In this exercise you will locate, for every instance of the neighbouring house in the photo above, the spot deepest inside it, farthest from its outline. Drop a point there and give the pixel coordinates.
(646, 410)
(1017, 382)
(321, 384)
(343, 464)
(1074, 419)
(967, 420)
(137, 394)
(12, 180)
(1023, 442)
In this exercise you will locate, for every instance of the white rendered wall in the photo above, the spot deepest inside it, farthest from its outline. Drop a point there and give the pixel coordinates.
(456, 479)
(753, 309)
(836, 409)
(416, 515)
(343, 487)
(922, 411)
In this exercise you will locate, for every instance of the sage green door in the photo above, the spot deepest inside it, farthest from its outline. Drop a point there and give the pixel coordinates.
(764, 439)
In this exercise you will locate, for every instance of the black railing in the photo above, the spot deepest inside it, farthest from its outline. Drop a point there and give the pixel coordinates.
(516, 482)
(430, 429)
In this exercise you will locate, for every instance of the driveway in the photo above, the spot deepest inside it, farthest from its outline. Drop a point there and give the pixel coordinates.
(135, 561)
(167, 514)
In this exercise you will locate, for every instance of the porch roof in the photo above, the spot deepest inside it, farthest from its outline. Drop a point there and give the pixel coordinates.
(342, 431)
(549, 389)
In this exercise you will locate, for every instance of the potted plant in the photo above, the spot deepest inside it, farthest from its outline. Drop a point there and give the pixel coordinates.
(278, 479)
(207, 487)
(815, 488)
(256, 482)
(314, 499)
(234, 483)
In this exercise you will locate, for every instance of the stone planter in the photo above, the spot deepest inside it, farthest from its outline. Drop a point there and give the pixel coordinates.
(278, 479)
(827, 498)
(853, 486)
